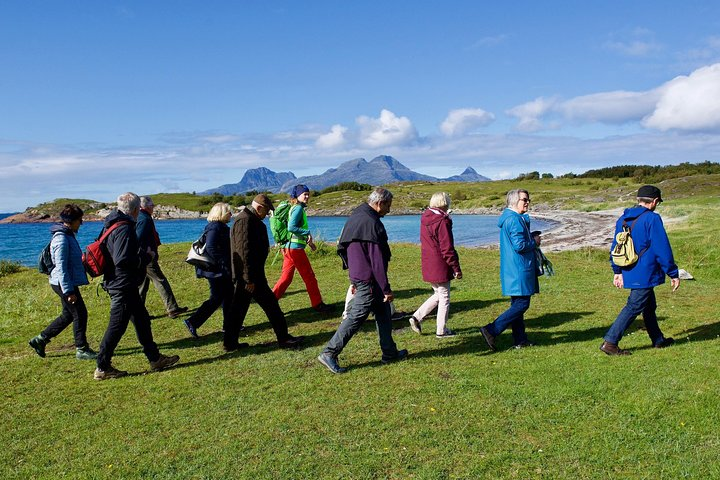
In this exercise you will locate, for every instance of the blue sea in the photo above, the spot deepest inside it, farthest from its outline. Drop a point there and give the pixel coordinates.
(23, 242)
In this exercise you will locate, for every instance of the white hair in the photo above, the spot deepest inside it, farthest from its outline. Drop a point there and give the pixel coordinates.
(440, 200)
(380, 195)
(128, 202)
(514, 195)
(220, 212)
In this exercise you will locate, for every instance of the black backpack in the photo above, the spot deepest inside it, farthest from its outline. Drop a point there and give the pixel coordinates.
(45, 261)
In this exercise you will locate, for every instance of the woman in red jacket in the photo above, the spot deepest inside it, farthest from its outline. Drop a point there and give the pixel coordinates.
(440, 263)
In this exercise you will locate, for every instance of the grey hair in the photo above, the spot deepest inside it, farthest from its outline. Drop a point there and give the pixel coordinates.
(380, 195)
(128, 202)
(146, 201)
(514, 195)
(440, 200)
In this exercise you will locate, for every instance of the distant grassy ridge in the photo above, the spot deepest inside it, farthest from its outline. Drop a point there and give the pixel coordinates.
(561, 410)
(585, 194)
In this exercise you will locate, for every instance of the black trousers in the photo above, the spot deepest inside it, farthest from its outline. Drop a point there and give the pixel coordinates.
(126, 306)
(75, 313)
(264, 297)
(221, 293)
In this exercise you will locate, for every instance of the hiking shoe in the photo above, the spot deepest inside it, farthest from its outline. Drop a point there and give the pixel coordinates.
(190, 328)
(177, 312)
(400, 355)
(612, 349)
(448, 333)
(38, 344)
(489, 339)
(415, 325)
(323, 307)
(85, 353)
(163, 362)
(331, 363)
(665, 342)
(110, 372)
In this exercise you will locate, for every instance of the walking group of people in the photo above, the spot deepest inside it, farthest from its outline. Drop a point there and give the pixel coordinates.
(238, 274)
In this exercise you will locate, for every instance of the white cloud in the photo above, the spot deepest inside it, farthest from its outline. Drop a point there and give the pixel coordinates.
(530, 113)
(689, 102)
(464, 120)
(335, 138)
(610, 107)
(386, 131)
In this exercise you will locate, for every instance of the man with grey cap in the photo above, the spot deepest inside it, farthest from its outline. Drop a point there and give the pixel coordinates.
(655, 260)
(249, 246)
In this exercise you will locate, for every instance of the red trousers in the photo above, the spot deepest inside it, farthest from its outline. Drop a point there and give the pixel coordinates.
(296, 258)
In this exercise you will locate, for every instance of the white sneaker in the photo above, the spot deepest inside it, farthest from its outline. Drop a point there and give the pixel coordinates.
(415, 325)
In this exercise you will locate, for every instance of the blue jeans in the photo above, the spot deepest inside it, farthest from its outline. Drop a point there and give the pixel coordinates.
(513, 316)
(641, 300)
(368, 298)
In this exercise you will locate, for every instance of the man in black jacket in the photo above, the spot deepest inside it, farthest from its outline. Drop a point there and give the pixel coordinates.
(124, 270)
(249, 249)
(150, 240)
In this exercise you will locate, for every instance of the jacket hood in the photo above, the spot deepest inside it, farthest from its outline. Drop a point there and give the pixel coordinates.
(633, 212)
(432, 216)
(61, 227)
(510, 213)
(117, 216)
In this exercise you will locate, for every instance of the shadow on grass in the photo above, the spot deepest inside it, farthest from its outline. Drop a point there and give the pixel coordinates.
(709, 331)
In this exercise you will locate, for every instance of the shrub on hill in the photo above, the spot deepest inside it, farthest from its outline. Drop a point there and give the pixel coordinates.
(354, 186)
(653, 174)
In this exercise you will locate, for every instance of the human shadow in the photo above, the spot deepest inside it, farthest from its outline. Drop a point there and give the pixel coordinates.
(710, 331)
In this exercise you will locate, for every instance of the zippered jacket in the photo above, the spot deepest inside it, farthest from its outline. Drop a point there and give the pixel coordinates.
(439, 259)
(518, 262)
(68, 272)
(650, 238)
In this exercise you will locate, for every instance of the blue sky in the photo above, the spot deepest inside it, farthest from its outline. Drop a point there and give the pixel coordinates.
(97, 98)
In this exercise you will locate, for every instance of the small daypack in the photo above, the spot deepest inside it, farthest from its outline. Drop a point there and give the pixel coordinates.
(279, 223)
(45, 260)
(95, 255)
(624, 254)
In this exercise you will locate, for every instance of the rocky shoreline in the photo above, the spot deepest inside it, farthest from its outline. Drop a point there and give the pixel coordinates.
(572, 230)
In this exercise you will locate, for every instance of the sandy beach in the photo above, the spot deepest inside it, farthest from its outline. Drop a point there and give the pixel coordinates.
(575, 230)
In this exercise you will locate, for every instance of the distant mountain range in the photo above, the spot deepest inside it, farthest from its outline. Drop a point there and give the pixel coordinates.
(380, 170)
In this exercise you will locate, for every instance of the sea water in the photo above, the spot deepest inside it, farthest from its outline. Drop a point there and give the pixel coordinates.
(22, 242)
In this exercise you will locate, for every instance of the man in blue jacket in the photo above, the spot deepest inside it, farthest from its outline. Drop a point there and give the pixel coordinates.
(518, 269)
(150, 240)
(654, 262)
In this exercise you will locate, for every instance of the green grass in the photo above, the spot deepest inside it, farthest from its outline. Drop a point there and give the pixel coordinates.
(452, 410)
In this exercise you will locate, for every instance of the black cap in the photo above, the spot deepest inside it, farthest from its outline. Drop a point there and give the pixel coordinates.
(649, 191)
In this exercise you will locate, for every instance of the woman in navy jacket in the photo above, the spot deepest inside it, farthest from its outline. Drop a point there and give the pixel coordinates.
(65, 278)
(217, 246)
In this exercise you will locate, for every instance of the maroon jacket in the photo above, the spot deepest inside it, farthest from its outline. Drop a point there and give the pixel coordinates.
(437, 247)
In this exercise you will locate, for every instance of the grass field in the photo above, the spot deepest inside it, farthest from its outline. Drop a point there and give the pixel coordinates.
(562, 410)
